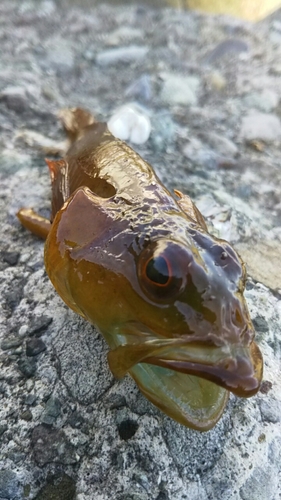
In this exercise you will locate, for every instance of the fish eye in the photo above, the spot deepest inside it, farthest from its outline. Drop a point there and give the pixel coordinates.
(162, 270)
(157, 270)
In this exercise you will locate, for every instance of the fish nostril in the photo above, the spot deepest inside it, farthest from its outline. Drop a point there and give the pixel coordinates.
(236, 317)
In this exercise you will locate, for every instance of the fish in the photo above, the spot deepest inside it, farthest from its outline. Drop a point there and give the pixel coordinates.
(138, 263)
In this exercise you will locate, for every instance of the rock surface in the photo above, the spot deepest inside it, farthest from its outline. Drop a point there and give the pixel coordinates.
(68, 430)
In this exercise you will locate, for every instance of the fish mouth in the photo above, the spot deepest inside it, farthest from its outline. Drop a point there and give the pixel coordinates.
(235, 367)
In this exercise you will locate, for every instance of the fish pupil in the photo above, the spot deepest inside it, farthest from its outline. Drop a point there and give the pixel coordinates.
(157, 270)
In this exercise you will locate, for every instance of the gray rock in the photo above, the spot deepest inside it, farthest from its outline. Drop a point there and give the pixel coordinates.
(10, 258)
(3, 428)
(52, 411)
(261, 484)
(39, 325)
(34, 347)
(180, 90)
(9, 484)
(226, 48)
(220, 144)
(58, 488)
(15, 98)
(270, 410)
(261, 126)
(132, 53)
(260, 324)
(26, 415)
(11, 343)
(27, 366)
(51, 445)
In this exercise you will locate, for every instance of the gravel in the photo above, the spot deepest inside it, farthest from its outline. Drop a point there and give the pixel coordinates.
(211, 87)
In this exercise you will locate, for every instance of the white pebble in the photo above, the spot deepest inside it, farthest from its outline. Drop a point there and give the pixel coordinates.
(180, 90)
(128, 123)
(261, 126)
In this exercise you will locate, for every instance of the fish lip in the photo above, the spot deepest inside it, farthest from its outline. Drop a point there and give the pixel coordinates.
(236, 368)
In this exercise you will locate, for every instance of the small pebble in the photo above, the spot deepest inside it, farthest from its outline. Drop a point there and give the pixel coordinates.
(222, 145)
(51, 445)
(30, 399)
(180, 90)
(27, 366)
(39, 325)
(11, 343)
(52, 411)
(58, 488)
(10, 257)
(115, 401)
(3, 428)
(261, 126)
(260, 324)
(216, 80)
(225, 48)
(129, 54)
(128, 123)
(26, 415)
(34, 346)
(124, 33)
(15, 98)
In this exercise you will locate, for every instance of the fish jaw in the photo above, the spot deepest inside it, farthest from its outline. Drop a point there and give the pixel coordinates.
(239, 371)
(235, 367)
(191, 401)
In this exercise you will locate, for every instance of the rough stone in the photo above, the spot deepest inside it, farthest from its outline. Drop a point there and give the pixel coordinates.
(39, 325)
(34, 347)
(262, 484)
(52, 410)
(11, 343)
(104, 433)
(27, 366)
(58, 488)
(51, 445)
(10, 257)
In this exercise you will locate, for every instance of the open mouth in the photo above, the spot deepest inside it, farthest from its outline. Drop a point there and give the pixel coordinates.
(234, 367)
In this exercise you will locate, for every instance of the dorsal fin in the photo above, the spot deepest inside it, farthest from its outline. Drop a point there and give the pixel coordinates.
(60, 184)
(190, 209)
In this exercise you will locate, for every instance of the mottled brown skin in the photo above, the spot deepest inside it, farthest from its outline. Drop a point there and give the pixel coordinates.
(142, 267)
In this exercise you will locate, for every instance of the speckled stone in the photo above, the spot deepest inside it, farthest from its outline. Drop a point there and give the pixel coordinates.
(34, 346)
(58, 488)
(8, 484)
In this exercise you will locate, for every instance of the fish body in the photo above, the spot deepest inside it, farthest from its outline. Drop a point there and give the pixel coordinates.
(141, 266)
